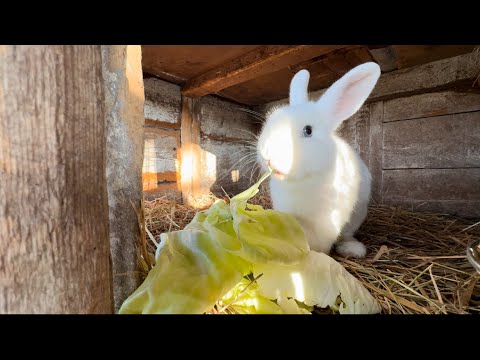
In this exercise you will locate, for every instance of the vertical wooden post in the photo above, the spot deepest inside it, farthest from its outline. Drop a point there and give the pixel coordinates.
(124, 102)
(190, 154)
(54, 239)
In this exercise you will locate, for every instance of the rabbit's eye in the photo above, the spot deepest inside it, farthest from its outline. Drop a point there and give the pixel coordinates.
(307, 131)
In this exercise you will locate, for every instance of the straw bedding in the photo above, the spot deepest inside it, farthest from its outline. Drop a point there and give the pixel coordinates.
(416, 262)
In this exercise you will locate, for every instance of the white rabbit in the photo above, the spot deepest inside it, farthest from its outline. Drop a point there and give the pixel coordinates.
(318, 177)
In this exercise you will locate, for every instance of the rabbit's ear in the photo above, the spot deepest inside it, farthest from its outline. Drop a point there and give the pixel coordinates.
(347, 95)
(299, 88)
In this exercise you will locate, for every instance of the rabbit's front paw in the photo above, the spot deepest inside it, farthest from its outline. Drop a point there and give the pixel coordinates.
(351, 248)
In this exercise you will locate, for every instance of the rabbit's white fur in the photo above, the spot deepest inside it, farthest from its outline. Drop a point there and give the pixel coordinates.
(320, 179)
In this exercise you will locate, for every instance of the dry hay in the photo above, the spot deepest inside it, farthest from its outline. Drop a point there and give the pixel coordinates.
(416, 262)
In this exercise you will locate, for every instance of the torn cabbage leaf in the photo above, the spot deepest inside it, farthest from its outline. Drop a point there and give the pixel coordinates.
(245, 298)
(196, 266)
(318, 280)
(208, 260)
(267, 236)
(193, 270)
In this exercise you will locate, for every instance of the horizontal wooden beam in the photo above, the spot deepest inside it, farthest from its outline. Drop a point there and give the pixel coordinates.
(413, 55)
(386, 58)
(258, 62)
(437, 75)
(459, 71)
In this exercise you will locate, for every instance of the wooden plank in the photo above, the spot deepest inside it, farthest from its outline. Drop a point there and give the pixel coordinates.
(223, 168)
(357, 56)
(208, 125)
(413, 55)
(274, 86)
(161, 150)
(190, 155)
(347, 132)
(167, 191)
(54, 238)
(362, 130)
(162, 125)
(124, 104)
(260, 90)
(431, 104)
(162, 101)
(448, 141)
(459, 70)
(346, 57)
(220, 118)
(162, 75)
(386, 58)
(321, 75)
(355, 131)
(177, 63)
(432, 184)
(375, 140)
(258, 62)
(152, 178)
(467, 209)
(338, 64)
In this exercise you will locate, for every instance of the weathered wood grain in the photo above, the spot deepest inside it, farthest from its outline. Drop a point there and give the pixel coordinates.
(54, 237)
(190, 156)
(223, 168)
(162, 125)
(431, 104)
(375, 140)
(358, 55)
(162, 101)
(337, 63)
(124, 105)
(432, 184)
(450, 141)
(355, 131)
(275, 85)
(462, 69)
(432, 77)
(176, 63)
(466, 209)
(261, 61)
(220, 118)
(413, 55)
(386, 58)
(161, 162)
(161, 149)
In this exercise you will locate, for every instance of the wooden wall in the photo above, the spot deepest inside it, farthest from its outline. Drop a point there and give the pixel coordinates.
(420, 136)
(423, 150)
(222, 131)
(162, 139)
